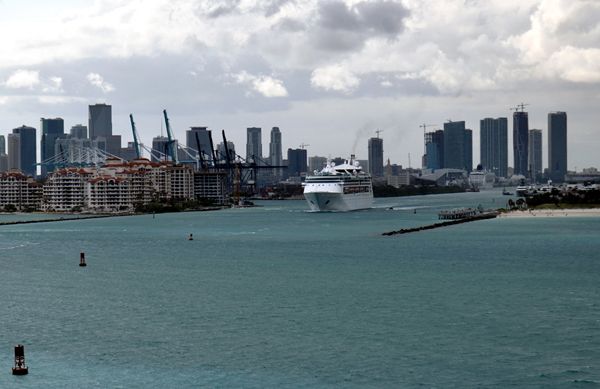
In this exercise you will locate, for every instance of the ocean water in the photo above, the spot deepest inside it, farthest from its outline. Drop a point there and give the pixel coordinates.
(275, 296)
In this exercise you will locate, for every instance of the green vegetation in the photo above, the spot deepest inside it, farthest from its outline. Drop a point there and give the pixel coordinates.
(564, 199)
(412, 190)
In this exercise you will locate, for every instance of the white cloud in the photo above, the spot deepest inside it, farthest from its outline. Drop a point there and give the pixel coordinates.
(334, 77)
(54, 85)
(98, 81)
(265, 85)
(23, 79)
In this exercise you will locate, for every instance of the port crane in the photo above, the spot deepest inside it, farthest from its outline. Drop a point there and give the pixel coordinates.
(136, 138)
(171, 148)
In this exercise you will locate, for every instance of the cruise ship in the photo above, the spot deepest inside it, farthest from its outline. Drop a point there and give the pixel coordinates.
(343, 187)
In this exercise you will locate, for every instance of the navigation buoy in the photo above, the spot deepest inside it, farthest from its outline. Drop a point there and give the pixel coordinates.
(82, 259)
(20, 368)
(191, 237)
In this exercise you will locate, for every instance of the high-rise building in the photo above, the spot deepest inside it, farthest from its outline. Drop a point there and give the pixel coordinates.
(493, 145)
(316, 163)
(159, 145)
(434, 146)
(535, 154)
(521, 142)
(52, 129)
(2, 144)
(557, 146)
(221, 152)
(455, 147)
(203, 139)
(100, 121)
(3, 162)
(376, 157)
(14, 151)
(468, 150)
(275, 152)
(297, 159)
(28, 149)
(79, 131)
(253, 144)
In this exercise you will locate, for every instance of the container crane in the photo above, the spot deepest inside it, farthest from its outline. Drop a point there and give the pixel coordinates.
(172, 149)
(136, 139)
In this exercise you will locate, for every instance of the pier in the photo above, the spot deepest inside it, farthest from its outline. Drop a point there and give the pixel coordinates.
(467, 219)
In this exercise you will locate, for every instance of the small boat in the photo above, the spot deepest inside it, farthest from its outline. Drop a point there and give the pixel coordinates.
(507, 193)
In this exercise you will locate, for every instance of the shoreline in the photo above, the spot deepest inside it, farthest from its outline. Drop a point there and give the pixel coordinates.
(573, 212)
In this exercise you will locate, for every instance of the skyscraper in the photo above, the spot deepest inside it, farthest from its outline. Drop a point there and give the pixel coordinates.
(52, 129)
(535, 154)
(2, 144)
(468, 150)
(254, 144)
(28, 149)
(14, 151)
(455, 147)
(100, 121)
(203, 139)
(275, 152)
(376, 157)
(493, 145)
(159, 144)
(79, 131)
(557, 146)
(521, 142)
(297, 162)
(434, 145)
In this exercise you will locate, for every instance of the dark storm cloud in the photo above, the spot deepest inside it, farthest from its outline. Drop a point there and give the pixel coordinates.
(344, 28)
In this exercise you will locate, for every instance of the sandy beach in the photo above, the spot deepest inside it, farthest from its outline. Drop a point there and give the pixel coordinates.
(589, 212)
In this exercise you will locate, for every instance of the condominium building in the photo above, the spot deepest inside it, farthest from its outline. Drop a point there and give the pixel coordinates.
(19, 191)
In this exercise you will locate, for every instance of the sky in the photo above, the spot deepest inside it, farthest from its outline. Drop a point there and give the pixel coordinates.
(327, 73)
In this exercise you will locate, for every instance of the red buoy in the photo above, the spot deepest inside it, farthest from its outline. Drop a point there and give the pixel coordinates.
(20, 368)
(82, 259)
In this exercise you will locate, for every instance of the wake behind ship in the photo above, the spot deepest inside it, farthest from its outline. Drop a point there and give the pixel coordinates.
(343, 187)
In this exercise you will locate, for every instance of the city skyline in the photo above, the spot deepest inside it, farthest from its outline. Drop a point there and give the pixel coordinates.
(330, 75)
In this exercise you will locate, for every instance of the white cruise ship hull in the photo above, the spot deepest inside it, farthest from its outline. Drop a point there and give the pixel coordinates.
(328, 201)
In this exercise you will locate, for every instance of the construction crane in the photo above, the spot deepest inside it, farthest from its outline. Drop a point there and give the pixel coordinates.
(424, 127)
(303, 145)
(172, 149)
(378, 132)
(136, 139)
(200, 158)
(519, 107)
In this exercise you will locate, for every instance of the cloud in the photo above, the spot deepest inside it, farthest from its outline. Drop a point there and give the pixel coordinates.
(334, 77)
(53, 85)
(98, 81)
(265, 85)
(23, 79)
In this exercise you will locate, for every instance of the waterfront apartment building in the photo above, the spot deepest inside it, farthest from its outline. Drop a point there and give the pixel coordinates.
(535, 154)
(521, 143)
(376, 157)
(211, 186)
(52, 129)
(557, 146)
(19, 192)
(27, 149)
(254, 144)
(117, 186)
(493, 146)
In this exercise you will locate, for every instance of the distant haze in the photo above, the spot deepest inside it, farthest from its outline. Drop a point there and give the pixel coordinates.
(327, 73)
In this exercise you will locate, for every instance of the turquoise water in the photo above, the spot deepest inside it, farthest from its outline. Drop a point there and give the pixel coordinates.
(275, 296)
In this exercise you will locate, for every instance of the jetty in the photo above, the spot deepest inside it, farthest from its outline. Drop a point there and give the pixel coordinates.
(466, 219)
